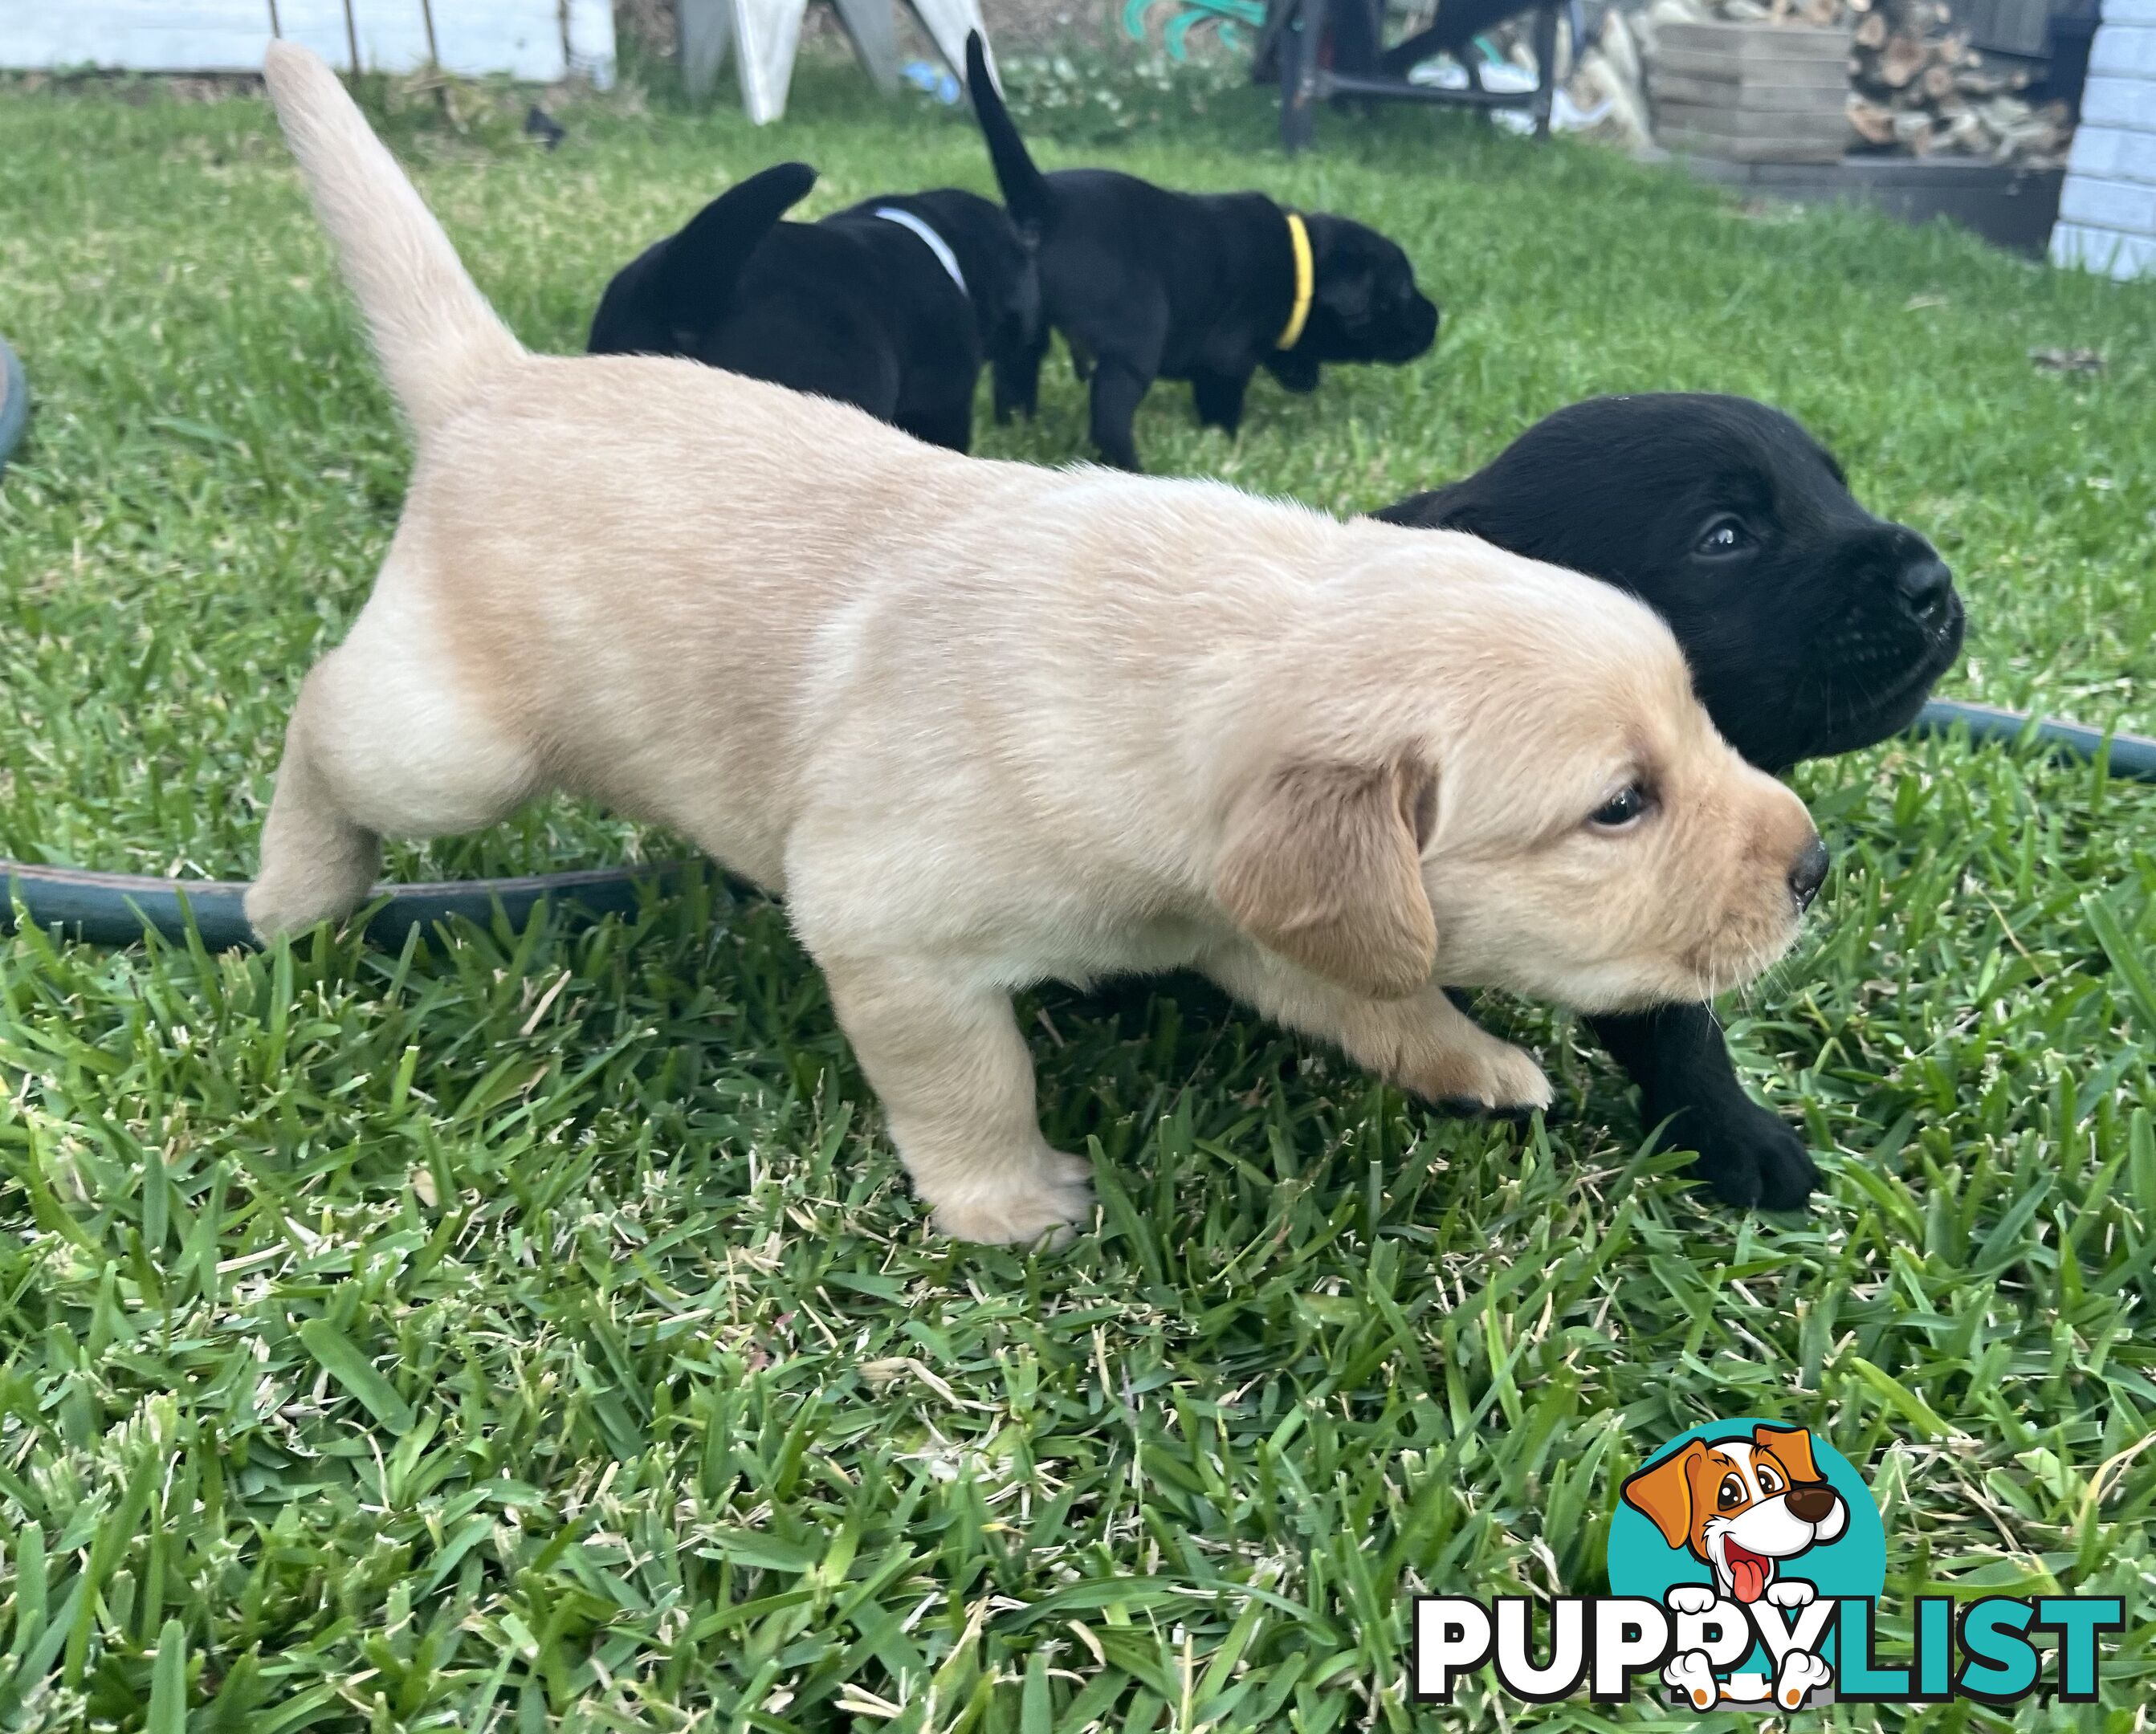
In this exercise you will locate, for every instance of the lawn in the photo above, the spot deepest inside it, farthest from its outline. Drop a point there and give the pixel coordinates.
(533, 1330)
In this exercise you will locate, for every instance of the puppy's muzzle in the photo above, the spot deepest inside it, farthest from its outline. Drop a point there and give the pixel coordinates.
(1808, 872)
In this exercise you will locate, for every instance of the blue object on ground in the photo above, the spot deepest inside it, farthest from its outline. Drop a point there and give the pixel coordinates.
(939, 84)
(14, 401)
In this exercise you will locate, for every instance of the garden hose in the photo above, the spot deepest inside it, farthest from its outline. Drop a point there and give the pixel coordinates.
(2132, 756)
(14, 401)
(116, 908)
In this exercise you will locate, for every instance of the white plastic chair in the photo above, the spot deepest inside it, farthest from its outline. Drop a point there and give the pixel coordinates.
(763, 36)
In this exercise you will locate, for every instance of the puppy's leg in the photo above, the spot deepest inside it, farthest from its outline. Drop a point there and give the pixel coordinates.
(1425, 1043)
(382, 742)
(946, 1058)
(1220, 399)
(317, 862)
(1017, 381)
(1677, 1057)
(1118, 388)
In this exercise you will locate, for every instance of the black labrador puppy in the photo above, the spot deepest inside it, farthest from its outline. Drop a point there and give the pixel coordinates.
(1146, 284)
(1812, 627)
(893, 304)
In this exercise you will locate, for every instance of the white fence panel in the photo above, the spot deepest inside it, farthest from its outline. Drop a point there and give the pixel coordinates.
(538, 40)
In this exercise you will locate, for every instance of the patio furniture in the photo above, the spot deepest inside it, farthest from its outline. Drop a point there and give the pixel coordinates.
(763, 34)
(1323, 49)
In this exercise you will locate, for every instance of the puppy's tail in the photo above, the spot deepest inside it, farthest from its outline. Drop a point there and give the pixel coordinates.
(1026, 191)
(435, 335)
(703, 263)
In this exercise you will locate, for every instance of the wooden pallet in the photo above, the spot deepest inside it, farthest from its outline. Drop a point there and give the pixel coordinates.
(1752, 46)
(1790, 98)
(1751, 92)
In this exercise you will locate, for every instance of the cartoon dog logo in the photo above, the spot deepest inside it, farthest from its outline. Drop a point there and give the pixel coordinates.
(1743, 1507)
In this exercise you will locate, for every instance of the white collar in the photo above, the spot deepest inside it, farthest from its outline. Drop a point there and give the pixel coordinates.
(935, 243)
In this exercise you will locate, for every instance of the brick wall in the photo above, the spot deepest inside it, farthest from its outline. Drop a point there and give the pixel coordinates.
(2107, 210)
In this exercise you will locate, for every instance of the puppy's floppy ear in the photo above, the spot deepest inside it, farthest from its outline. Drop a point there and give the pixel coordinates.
(1792, 1448)
(1348, 292)
(1322, 863)
(1451, 508)
(1663, 1492)
(1343, 280)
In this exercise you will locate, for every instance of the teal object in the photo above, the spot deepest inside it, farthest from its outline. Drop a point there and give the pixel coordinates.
(14, 401)
(1228, 19)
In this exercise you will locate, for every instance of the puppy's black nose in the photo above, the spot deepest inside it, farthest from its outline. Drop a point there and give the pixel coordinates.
(1925, 587)
(1808, 875)
(1812, 1502)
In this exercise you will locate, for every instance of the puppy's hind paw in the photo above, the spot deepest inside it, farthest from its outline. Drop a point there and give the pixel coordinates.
(1800, 1672)
(1689, 1672)
(1049, 1194)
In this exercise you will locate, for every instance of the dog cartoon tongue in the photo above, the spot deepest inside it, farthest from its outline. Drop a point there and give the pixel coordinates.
(1748, 1571)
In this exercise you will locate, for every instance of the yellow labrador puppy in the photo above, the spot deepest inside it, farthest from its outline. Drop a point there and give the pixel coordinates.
(984, 724)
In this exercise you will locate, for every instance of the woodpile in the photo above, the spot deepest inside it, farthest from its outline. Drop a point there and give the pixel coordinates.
(1916, 85)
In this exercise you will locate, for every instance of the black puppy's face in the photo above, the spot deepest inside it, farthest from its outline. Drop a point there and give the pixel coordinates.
(1003, 271)
(1365, 306)
(1008, 303)
(1812, 627)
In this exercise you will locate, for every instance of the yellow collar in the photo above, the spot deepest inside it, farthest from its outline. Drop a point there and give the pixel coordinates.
(1306, 281)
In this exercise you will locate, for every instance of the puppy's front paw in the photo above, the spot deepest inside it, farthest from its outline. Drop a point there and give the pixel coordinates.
(1747, 1156)
(1791, 1592)
(1489, 1077)
(1048, 1193)
(1691, 1598)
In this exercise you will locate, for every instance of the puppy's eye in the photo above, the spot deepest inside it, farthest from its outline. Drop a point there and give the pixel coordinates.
(1770, 1484)
(1731, 1493)
(1725, 535)
(1626, 808)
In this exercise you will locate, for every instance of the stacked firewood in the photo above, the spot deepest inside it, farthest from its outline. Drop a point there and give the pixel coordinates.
(1916, 82)
(1916, 85)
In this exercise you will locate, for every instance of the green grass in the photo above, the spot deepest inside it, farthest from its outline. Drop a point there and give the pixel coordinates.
(533, 1330)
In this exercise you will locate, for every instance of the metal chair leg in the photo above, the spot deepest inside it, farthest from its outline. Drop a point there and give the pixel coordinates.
(1545, 67)
(1301, 22)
